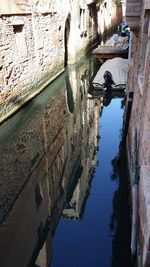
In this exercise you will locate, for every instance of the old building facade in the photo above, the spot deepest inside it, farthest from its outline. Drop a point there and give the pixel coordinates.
(138, 18)
(38, 38)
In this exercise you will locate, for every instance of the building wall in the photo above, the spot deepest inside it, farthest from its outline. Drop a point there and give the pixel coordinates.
(139, 126)
(36, 40)
(109, 15)
(31, 54)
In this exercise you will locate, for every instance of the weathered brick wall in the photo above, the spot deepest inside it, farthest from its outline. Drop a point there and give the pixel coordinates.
(116, 15)
(26, 68)
(133, 13)
(139, 128)
(33, 45)
(144, 162)
(133, 8)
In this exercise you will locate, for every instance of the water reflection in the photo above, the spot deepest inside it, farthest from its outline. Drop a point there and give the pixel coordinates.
(32, 167)
(48, 153)
(120, 219)
(49, 156)
(87, 237)
(80, 147)
(106, 96)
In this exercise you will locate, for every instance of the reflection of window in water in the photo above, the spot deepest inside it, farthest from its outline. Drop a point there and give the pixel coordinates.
(34, 150)
(38, 194)
(90, 24)
(70, 101)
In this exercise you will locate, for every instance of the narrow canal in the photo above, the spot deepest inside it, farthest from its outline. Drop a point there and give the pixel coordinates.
(64, 198)
(101, 236)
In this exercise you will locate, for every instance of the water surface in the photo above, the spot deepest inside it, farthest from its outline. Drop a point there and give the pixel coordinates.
(64, 189)
(89, 241)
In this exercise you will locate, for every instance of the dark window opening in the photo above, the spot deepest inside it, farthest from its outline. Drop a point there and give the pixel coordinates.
(18, 28)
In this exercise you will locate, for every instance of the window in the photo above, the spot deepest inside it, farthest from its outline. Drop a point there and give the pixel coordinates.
(82, 20)
(20, 40)
(18, 28)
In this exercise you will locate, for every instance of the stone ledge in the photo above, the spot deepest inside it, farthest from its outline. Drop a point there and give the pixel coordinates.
(25, 100)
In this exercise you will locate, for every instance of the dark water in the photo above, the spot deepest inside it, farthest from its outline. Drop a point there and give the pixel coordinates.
(101, 237)
(64, 199)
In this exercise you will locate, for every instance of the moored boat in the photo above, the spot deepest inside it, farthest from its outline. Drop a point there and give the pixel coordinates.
(116, 46)
(117, 69)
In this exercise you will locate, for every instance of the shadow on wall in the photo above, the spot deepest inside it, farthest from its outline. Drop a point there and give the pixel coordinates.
(70, 101)
(67, 33)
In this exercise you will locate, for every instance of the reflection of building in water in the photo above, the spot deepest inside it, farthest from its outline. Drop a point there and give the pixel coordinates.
(105, 96)
(43, 253)
(85, 125)
(80, 141)
(120, 225)
(40, 151)
(32, 162)
(75, 205)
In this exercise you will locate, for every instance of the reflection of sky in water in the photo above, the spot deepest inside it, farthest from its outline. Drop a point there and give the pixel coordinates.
(89, 242)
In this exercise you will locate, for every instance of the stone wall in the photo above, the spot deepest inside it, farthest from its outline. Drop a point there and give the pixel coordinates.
(37, 40)
(109, 15)
(139, 126)
(28, 56)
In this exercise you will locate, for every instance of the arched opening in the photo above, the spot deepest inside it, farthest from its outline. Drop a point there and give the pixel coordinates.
(67, 32)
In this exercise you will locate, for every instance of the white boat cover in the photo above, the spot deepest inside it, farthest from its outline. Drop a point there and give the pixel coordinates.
(118, 67)
(117, 41)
